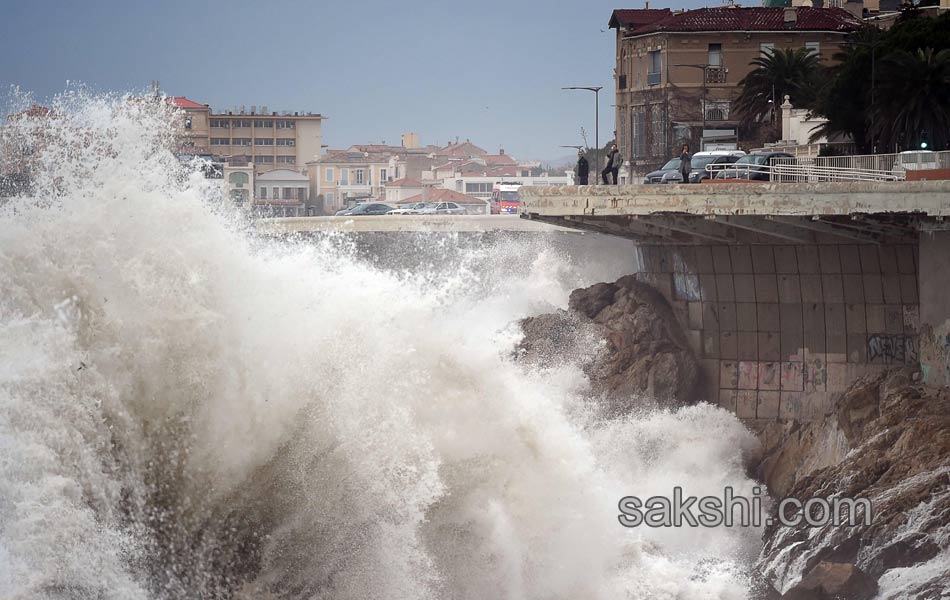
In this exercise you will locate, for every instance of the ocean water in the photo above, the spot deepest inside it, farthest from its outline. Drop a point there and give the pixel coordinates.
(187, 411)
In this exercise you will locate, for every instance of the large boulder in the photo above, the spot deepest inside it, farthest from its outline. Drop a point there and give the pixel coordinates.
(625, 336)
(833, 581)
(887, 441)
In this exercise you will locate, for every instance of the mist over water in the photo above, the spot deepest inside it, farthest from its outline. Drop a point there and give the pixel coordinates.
(189, 411)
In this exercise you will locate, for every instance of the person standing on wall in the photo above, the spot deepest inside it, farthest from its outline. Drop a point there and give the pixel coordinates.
(582, 169)
(613, 165)
(685, 163)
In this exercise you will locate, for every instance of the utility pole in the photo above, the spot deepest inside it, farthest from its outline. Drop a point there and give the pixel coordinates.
(596, 90)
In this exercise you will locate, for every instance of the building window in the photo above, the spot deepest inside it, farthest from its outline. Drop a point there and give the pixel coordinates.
(358, 175)
(344, 176)
(714, 59)
(219, 141)
(263, 194)
(263, 142)
(238, 179)
(329, 175)
(187, 122)
(329, 198)
(263, 123)
(815, 47)
(286, 142)
(287, 160)
(302, 194)
(285, 124)
(655, 64)
(241, 142)
(264, 159)
(478, 188)
(241, 123)
(276, 193)
(220, 123)
(288, 193)
(766, 48)
(382, 176)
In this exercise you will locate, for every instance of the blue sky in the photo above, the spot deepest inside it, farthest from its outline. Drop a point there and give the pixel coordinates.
(489, 70)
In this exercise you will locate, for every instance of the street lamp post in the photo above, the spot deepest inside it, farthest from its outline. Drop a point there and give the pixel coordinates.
(702, 134)
(596, 89)
(873, 45)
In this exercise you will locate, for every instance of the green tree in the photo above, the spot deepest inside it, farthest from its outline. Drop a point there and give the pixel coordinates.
(913, 99)
(845, 96)
(781, 72)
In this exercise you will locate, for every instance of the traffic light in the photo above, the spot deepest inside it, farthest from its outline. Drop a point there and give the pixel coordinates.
(923, 145)
(923, 140)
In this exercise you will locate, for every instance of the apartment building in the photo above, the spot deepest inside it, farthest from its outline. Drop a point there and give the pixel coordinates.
(350, 174)
(677, 73)
(270, 140)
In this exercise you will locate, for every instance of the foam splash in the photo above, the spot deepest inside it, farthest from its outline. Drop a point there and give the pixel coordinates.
(188, 412)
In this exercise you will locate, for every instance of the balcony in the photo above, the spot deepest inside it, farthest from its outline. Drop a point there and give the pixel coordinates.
(715, 75)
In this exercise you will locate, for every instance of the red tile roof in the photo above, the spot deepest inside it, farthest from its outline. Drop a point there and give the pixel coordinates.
(498, 159)
(755, 18)
(637, 17)
(182, 102)
(442, 195)
(404, 182)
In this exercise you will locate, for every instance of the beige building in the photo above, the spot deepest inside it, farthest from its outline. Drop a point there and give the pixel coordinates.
(677, 73)
(269, 140)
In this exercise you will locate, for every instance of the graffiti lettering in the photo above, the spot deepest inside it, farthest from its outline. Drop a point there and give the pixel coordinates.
(901, 349)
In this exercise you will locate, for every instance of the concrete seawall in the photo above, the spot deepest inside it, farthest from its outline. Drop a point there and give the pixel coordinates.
(788, 292)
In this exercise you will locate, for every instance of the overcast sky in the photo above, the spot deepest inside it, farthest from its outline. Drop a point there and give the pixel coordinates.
(487, 70)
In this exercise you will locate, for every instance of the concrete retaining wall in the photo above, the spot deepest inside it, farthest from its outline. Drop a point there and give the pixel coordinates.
(781, 329)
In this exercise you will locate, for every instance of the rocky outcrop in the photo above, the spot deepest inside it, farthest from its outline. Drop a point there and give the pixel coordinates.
(625, 336)
(888, 441)
(831, 581)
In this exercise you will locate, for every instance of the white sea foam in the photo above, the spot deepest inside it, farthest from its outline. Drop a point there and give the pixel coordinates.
(186, 412)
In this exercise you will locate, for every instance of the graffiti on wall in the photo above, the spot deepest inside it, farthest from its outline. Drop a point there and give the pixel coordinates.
(887, 348)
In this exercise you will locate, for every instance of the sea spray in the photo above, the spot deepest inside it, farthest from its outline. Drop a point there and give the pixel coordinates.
(186, 411)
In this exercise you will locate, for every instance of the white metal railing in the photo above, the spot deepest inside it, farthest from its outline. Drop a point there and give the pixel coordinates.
(872, 167)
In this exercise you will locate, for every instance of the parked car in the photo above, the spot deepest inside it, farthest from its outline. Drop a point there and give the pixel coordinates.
(755, 166)
(700, 161)
(412, 209)
(443, 208)
(667, 172)
(916, 160)
(365, 209)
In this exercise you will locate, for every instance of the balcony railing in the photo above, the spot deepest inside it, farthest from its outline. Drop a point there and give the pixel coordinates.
(715, 75)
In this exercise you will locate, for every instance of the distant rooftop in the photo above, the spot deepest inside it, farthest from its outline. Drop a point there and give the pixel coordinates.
(756, 18)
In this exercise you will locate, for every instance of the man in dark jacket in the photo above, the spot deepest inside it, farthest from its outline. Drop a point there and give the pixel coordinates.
(613, 165)
(685, 163)
(582, 169)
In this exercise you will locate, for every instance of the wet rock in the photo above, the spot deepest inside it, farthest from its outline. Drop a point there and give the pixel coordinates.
(833, 581)
(888, 442)
(625, 336)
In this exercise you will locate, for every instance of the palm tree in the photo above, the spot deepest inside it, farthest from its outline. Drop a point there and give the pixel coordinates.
(913, 99)
(777, 73)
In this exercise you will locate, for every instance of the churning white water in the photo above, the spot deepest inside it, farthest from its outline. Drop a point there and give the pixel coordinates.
(188, 412)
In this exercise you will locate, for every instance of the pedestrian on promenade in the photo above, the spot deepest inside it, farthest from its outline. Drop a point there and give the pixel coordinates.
(685, 163)
(582, 169)
(613, 165)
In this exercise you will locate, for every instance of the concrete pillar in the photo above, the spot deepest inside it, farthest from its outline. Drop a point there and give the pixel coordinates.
(786, 119)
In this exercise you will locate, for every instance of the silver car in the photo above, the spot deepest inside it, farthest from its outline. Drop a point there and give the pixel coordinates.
(443, 208)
